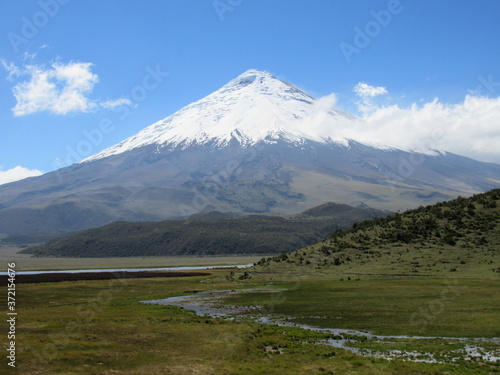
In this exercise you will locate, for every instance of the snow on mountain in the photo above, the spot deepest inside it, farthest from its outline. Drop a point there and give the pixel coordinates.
(257, 145)
(253, 107)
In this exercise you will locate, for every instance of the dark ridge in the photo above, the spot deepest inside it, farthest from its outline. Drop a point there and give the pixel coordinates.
(211, 233)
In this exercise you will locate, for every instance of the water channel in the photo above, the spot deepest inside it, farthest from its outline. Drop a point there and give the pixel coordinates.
(210, 304)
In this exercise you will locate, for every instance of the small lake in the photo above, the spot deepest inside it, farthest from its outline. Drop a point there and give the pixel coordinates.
(129, 269)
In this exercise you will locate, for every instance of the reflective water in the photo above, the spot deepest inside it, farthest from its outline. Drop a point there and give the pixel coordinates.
(209, 304)
(129, 269)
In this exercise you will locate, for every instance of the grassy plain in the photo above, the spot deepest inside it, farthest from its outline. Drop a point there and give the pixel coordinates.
(432, 272)
(100, 327)
(388, 306)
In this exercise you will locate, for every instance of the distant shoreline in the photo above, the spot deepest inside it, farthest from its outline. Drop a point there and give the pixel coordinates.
(26, 262)
(79, 276)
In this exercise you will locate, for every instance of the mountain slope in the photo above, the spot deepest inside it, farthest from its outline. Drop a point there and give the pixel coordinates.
(211, 233)
(461, 236)
(250, 147)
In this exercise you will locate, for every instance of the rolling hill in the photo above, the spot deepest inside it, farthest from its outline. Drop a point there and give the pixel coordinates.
(209, 233)
(458, 237)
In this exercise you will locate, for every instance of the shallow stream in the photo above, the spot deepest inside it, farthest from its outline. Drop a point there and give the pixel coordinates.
(210, 304)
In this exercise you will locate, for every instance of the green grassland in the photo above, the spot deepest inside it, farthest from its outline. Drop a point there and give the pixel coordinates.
(429, 272)
(392, 306)
(100, 327)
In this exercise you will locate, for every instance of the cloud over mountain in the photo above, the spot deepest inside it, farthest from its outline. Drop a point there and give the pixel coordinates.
(470, 128)
(17, 173)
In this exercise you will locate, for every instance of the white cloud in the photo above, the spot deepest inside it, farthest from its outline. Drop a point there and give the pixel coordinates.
(470, 128)
(366, 91)
(11, 68)
(60, 89)
(17, 173)
(115, 103)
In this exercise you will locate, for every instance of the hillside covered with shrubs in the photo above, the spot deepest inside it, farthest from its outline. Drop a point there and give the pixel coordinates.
(454, 236)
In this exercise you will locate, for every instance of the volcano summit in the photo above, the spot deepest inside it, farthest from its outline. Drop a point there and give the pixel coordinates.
(252, 108)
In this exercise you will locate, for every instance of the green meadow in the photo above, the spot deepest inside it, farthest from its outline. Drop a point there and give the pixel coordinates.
(388, 306)
(425, 282)
(100, 327)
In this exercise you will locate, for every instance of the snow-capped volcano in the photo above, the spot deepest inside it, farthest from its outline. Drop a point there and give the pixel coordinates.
(258, 145)
(254, 107)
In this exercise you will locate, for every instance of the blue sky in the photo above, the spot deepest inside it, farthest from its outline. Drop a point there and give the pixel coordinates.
(74, 71)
